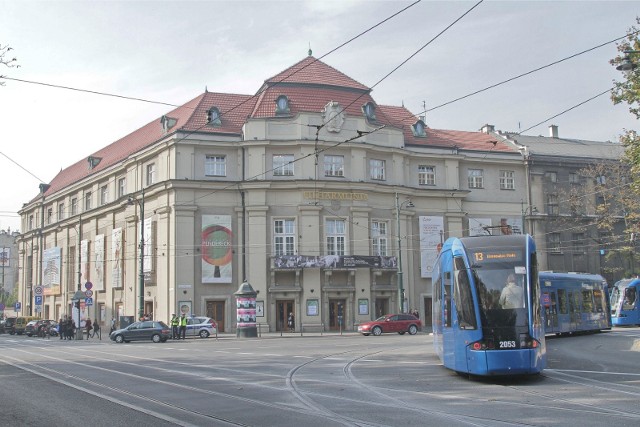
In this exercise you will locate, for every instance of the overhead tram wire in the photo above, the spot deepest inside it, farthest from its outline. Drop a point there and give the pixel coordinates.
(21, 167)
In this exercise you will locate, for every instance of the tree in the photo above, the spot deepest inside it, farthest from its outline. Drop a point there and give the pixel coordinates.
(6, 60)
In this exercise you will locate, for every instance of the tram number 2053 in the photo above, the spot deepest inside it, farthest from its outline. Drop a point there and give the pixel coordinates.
(507, 344)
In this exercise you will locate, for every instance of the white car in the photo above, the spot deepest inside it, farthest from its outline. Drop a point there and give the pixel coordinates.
(202, 327)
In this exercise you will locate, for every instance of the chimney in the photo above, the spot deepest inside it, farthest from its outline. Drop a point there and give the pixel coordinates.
(487, 129)
(553, 131)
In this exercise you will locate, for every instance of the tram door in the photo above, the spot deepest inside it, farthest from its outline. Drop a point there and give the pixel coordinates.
(428, 320)
(382, 307)
(283, 308)
(337, 314)
(448, 332)
(550, 311)
(215, 310)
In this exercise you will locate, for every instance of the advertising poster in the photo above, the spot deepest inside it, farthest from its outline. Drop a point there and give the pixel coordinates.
(84, 261)
(246, 311)
(98, 265)
(431, 232)
(147, 264)
(51, 263)
(216, 249)
(312, 307)
(509, 226)
(479, 226)
(116, 258)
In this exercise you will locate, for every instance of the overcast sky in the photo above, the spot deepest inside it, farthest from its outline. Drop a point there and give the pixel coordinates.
(169, 51)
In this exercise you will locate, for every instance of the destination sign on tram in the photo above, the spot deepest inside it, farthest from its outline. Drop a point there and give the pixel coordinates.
(496, 255)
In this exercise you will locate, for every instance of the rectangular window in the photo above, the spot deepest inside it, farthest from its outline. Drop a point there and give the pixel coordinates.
(151, 174)
(49, 215)
(379, 238)
(476, 178)
(87, 201)
(578, 242)
(60, 211)
(426, 175)
(122, 187)
(30, 222)
(551, 176)
(336, 238)
(554, 242)
(74, 206)
(376, 169)
(104, 195)
(507, 180)
(333, 165)
(283, 165)
(574, 178)
(284, 232)
(552, 204)
(215, 166)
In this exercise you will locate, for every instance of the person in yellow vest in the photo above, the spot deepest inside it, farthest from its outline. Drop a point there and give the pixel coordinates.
(183, 326)
(175, 321)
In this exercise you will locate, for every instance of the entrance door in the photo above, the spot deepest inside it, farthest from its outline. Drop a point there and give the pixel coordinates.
(148, 309)
(283, 308)
(428, 320)
(215, 310)
(337, 314)
(382, 307)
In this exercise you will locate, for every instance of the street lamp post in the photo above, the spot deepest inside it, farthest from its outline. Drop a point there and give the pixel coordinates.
(400, 272)
(626, 65)
(141, 272)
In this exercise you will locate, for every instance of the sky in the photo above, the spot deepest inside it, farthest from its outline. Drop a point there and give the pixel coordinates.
(170, 51)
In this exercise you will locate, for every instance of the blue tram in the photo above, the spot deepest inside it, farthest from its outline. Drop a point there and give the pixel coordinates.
(574, 302)
(625, 304)
(481, 324)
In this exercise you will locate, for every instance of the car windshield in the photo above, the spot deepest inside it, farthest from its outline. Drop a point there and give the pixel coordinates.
(381, 319)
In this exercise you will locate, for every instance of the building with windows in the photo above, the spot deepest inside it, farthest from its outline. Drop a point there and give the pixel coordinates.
(329, 204)
(8, 265)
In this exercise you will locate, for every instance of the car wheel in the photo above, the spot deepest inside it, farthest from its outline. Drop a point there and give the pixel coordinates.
(377, 330)
(119, 339)
(413, 329)
(204, 334)
(156, 338)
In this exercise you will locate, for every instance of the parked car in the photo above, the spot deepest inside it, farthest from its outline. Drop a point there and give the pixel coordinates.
(202, 327)
(21, 323)
(33, 326)
(7, 326)
(141, 331)
(399, 323)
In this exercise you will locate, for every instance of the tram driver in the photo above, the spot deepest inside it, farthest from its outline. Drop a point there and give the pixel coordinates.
(512, 295)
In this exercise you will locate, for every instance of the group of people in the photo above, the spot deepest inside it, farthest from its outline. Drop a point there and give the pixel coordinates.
(178, 326)
(93, 329)
(67, 328)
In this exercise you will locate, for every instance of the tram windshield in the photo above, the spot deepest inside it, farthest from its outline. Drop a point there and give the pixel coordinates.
(625, 293)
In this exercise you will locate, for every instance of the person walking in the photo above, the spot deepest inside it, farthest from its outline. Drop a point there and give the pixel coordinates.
(113, 325)
(183, 326)
(291, 322)
(96, 330)
(88, 326)
(60, 332)
(175, 321)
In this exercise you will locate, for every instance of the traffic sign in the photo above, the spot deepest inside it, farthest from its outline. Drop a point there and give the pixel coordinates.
(18, 306)
(88, 293)
(88, 301)
(37, 290)
(88, 285)
(38, 299)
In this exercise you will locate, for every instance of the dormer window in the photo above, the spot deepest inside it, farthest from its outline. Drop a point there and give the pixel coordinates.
(213, 117)
(167, 123)
(93, 161)
(419, 129)
(282, 105)
(369, 110)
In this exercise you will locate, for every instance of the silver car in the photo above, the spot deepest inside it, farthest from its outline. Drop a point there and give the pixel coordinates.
(202, 327)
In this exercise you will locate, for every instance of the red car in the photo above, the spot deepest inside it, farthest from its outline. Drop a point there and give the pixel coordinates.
(399, 323)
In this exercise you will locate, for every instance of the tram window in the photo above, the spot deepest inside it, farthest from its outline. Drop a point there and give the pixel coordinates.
(587, 301)
(598, 297)
(562, 301)
(463, 298)
(575, 302)
(629, 299)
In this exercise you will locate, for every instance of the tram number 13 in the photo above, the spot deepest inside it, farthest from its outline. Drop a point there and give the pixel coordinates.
(507, 344)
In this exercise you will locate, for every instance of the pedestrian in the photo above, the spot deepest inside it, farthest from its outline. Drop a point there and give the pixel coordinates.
(175, 321)
(88, 326)
(60, 328)
(183, 326)
(96, 330)
(71, 329)
(291, 322)
(113, 325)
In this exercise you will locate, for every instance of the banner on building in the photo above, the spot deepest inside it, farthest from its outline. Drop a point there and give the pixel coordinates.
(98, 264)
(431, 237)
(146, 229)
(217, 249)
(116, 258)
(335, 261)
(51, 264)
(84, 262)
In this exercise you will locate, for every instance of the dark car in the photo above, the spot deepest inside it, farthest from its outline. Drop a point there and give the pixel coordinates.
(399, 323)
(7, 327)
(142, 331)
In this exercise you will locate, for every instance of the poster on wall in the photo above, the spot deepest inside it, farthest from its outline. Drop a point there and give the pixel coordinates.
(51, 263)
(363, 306)
(185, 308)
(216, 248)
(84, 262)
(98, 265)
(147, 238)
(508, 226)
(5, 256)
(431, 234)
(479, 226)
(312, 307)
(116, 258)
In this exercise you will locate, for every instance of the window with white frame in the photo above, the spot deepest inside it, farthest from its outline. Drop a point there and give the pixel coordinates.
(151, 174)
(88, 197)
(215, 165)
(476, 178)
(335, 232)
(551, 176)
(507, 180)
(574, 178)
(554, 242)
(74, 206)
(30, 222)
(426, 175)
(284, 237)
(379, 237)
(104, 195)
(552, 204)
(283, 165)
(60, 211)
(49, 215)
(376, 169)
(122, 187)
(333, 165)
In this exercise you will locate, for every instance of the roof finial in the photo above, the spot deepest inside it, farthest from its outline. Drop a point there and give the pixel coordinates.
(310, 51)
(205, 89)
